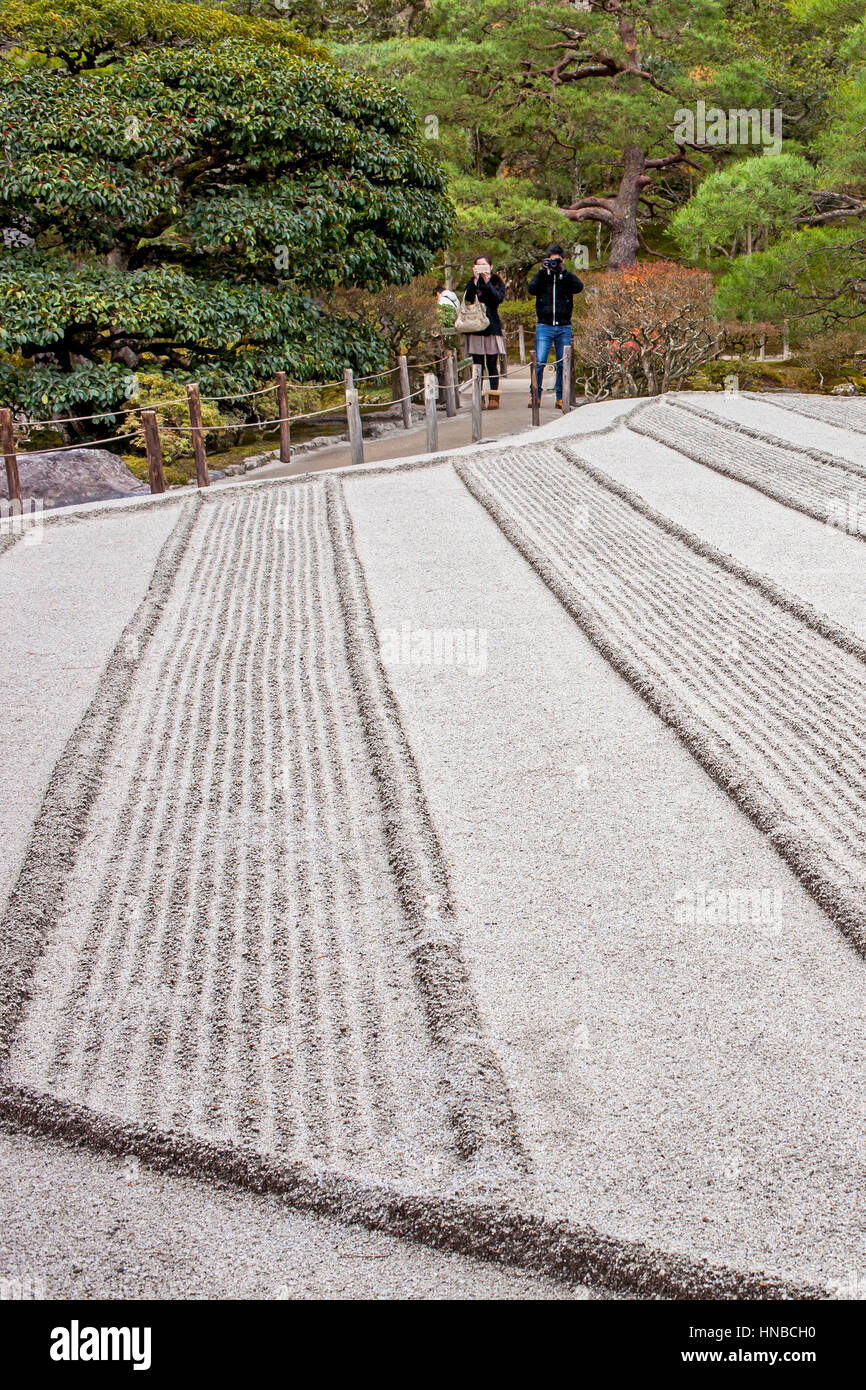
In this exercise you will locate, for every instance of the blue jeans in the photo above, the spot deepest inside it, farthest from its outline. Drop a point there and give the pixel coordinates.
(546, 337)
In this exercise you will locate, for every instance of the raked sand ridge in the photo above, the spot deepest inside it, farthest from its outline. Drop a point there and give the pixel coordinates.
(254, 939)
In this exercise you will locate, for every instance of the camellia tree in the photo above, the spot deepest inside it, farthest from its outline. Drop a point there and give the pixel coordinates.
(182, 188)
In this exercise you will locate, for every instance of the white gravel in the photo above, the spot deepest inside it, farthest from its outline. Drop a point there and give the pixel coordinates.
(699, 1087)
(81, 1225)
(821, 563)
(63, 604)
(463, 914)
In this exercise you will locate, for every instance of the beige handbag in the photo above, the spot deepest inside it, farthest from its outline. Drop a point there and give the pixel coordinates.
(471, 318)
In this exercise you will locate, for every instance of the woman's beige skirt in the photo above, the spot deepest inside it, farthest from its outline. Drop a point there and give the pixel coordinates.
(486, 343)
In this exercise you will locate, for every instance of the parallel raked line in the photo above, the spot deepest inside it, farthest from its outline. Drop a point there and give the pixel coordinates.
(794, 479)
(776, 441)
(123, 948)
(91, 968)
(686, 636)
(342, 793)
(680, 638)
(844, 412)
(762, 639)
(250, 765)
(195, 785)
(125, 953)
(824, 860)
(317, 704)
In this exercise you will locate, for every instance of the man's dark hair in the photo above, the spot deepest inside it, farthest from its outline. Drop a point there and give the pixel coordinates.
(556, 251)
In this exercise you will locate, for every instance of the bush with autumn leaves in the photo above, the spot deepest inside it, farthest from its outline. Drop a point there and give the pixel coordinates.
(645, 330)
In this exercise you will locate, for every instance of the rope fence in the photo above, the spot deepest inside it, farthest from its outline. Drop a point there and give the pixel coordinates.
(442, 381)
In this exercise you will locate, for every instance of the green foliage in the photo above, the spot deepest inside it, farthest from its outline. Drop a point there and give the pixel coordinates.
(83, 33)
(173, 419)
(816, 275)
(505, 219)
(186, 188)
(762, 193)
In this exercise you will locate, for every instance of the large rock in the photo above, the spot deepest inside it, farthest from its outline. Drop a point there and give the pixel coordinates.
(74, 475)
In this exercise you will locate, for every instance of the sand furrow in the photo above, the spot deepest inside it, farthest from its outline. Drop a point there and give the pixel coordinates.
(124, 913)
(818, 485)
(762, 436)
(287, 978)
(653, 603)
(739, 692)
(731, 632)
(847, 412)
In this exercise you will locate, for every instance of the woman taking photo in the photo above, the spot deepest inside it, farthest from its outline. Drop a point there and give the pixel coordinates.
(484, 347)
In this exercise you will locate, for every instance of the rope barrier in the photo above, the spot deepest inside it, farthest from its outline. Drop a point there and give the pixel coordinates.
(128, 409)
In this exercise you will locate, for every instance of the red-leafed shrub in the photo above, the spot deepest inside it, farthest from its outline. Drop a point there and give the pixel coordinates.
(645, 330)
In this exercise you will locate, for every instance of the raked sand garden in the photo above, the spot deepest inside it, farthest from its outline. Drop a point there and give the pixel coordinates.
(466, 855)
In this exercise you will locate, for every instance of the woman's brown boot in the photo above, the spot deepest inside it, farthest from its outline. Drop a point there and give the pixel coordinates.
(493, 402)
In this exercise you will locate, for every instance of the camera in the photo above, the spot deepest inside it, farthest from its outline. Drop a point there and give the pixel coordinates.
(553, 263)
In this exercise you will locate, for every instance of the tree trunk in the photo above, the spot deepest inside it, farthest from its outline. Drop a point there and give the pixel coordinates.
(624, 240)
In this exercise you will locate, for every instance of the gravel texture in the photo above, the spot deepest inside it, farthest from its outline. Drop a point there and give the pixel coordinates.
(821, 564)
(810, 481)
(81, 1225)
(693, 1080)
(848, 413)
(66, 592)
(768, 697)
(504, 974)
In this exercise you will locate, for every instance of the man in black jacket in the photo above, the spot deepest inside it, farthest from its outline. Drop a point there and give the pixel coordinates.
(554, 288)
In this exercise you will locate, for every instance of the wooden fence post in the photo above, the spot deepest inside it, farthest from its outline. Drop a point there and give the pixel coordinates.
(521, 343)
(283, 413)
(477, 369)
(450, 386)
(405, 401)
(353, 415)
(431, 393)
(504, 360)
(154, 451)
(567, 378)
(786, 340)
(533, 387)
(202, 476)
(7, 443)
(455, 370)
